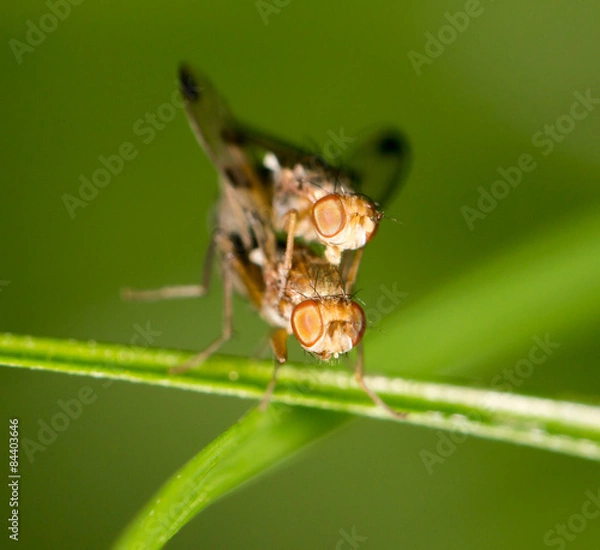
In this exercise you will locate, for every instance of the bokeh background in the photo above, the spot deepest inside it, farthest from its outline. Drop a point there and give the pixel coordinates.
(300, 70)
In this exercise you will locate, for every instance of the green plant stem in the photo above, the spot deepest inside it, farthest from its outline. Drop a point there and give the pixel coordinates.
(247, 449)
(555, 425)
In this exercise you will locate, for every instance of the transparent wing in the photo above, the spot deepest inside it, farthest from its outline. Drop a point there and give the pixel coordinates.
(208, 114)
(257, 143)
(216, 129)
(245, 201)
(229, 143)
(378, 165)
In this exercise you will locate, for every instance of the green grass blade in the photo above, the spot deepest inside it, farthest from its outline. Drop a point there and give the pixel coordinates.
(255, 443)
(555, 425)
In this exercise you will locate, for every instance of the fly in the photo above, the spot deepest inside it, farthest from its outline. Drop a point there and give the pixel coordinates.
(295, 289)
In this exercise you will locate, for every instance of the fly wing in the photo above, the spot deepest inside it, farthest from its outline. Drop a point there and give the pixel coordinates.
(245, 197)
(378, 165)
(208, 114)
(215, 128)
(236, 149)
(257, 143)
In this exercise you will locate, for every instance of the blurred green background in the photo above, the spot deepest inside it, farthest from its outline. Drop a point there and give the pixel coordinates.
(299, 70)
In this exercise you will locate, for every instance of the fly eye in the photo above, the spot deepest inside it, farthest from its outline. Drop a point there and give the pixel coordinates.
(307, 323)
(359, 323)
(329, 215)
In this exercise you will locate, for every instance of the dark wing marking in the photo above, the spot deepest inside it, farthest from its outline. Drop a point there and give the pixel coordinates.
(207, 114)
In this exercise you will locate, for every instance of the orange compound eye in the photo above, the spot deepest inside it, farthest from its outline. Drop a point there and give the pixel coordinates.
(359, 323)
(307, 323)
(329, 215)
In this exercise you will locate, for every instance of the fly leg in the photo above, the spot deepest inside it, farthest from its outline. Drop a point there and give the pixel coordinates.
(361, 382)
(279, 346)
(226, 332)
(353, 271)
(289, 251)
(178, 291)
(261, 349)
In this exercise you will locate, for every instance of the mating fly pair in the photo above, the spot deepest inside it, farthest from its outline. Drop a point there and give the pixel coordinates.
(290, 230)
